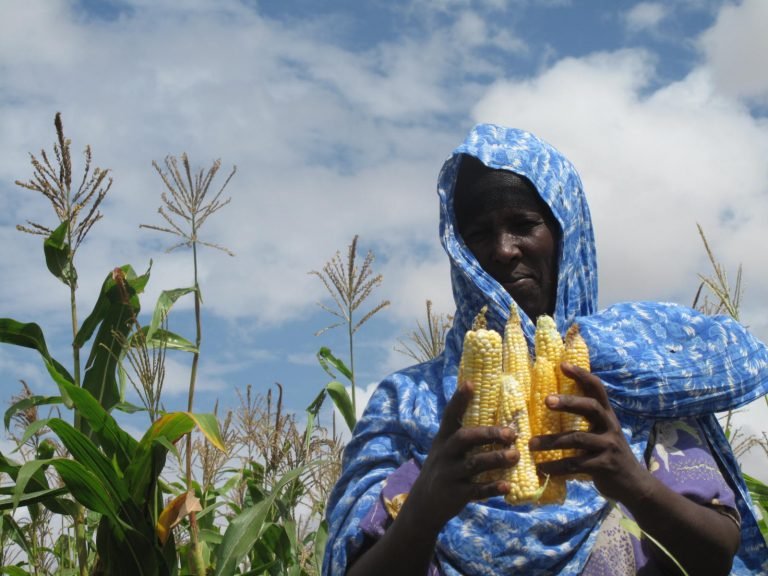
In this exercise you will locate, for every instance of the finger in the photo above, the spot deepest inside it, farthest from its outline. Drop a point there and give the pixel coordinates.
(468, 438)
(490, 460)
(585, 441)
(454, 410)
(589, 408)
(481, 491)
(590, 384)
(563, 467)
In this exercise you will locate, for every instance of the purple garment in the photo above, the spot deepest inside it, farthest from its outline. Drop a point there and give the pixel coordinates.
(393, 493)
(679, 457)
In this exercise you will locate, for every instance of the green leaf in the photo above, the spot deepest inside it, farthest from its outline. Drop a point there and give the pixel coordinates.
(126, 551)
(58, 255)
(103, 302)
(211, 536)
(165, 301)
(209, 426)
(343, 402)
(31, 429)
(82, 484)
(128, 408)
(758, 489)
(246, 528)
(15, 533)
(36, 482)
(87, 454)
(320, 540)
(314, 407)
(31, 336)
(327, 359)
(170, 340)
(273, 543)
(32, 498)
(150, 454)
(113, 440)
(112, 314)
(28, 402)
(13, 571)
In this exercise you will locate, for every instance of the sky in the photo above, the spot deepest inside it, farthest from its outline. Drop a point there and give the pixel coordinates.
(338, 116)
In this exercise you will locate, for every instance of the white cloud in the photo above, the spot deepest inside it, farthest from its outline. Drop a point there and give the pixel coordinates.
(332, 142)
(329, 143)
(645, 16)
(735, 48)
(653, 164)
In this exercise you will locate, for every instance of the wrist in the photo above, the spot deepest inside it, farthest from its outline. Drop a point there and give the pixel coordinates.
(640, 490)
(419, 516)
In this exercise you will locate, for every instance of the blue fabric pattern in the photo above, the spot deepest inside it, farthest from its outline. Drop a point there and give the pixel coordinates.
(657, 360)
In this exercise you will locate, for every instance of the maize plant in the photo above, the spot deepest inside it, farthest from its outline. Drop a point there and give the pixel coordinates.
(510, 389)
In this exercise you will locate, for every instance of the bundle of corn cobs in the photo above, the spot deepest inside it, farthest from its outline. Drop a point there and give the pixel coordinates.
(510, 389)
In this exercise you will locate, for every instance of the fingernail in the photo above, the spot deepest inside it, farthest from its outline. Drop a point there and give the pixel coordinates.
(533, 444)
(552, 401)
(508, 435)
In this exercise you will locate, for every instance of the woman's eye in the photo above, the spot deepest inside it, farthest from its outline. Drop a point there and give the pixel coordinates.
(526, 224)
(473, 236)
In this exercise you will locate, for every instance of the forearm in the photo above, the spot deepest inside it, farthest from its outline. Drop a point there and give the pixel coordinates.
(405, 549)
(446, 483)
(701, 539)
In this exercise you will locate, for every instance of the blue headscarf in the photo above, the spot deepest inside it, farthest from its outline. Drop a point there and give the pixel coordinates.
(656, 361)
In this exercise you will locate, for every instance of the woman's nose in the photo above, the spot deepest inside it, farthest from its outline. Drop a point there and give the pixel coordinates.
(506, 247)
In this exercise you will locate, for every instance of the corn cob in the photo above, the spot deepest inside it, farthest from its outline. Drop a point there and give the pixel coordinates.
(481, 364)
(547, 340)
(549, 352)
(516, 359)
(576, 353)
(522, 478)
(544, 420)
(508, 392)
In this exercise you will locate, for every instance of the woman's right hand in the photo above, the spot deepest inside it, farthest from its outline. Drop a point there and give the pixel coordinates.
(446, 482)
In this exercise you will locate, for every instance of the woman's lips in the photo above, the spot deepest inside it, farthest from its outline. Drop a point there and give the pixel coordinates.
(516, 282)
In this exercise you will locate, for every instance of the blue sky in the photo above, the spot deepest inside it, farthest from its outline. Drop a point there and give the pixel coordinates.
(338, 115)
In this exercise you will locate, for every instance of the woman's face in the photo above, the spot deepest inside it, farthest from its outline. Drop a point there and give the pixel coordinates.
(513, 235)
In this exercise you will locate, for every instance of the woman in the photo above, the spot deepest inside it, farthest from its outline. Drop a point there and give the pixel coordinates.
(515, 225)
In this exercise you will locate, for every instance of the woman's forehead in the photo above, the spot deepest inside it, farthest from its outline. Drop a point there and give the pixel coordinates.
(480, 189)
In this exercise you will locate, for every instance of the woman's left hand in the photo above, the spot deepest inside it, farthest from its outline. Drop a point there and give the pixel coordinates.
(605, 454)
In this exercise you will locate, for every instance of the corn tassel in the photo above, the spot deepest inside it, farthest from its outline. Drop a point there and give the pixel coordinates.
(522, 478)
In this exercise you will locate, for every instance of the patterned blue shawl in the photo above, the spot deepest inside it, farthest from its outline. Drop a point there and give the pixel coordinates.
(656, 360)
